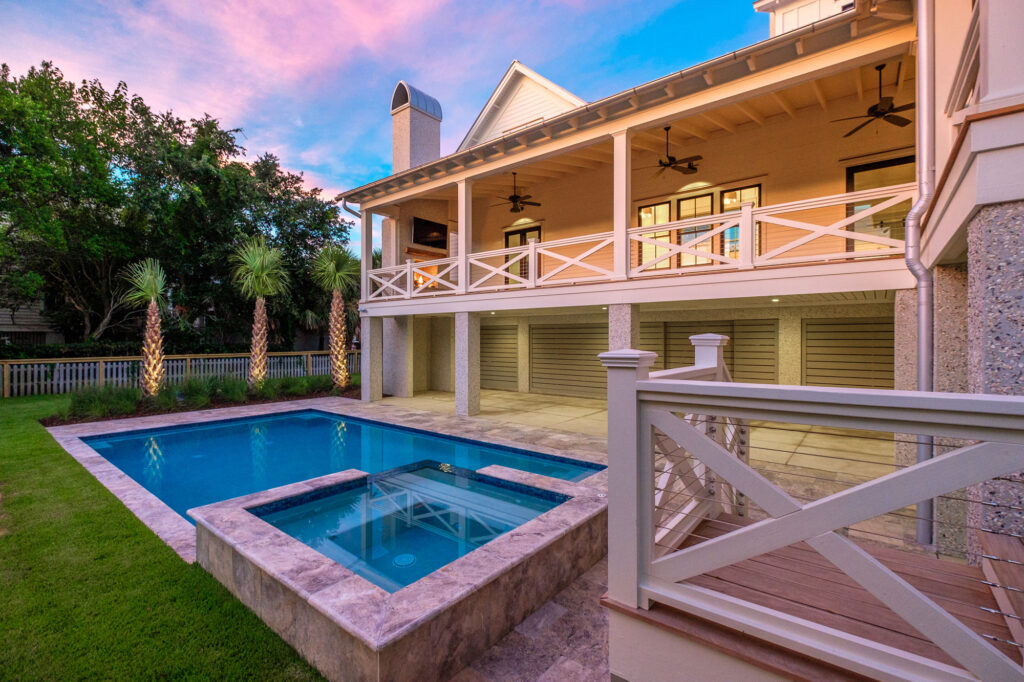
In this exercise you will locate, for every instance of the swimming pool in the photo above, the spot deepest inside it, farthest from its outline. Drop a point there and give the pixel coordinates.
(193, 465)
(396, 527)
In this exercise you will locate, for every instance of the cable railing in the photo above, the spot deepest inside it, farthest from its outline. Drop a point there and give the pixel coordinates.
(821, 557)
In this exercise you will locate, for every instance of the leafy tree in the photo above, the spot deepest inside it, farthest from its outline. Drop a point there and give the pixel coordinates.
(148, 287)
(92, 180)
(336, 270)
(259, 272)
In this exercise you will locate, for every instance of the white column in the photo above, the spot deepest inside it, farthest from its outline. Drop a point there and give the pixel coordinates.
(366, 244)
(622, 200)
(630, 527)
(467, 364)
(372, 372)
(465, 195)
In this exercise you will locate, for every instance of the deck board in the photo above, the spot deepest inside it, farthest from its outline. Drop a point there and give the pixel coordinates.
(798, 581)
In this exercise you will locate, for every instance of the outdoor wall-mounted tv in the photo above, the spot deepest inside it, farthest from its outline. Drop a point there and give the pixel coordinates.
(429, 233)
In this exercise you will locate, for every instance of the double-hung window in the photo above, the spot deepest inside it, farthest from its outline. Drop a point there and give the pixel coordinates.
(649, 216)
(695, 207)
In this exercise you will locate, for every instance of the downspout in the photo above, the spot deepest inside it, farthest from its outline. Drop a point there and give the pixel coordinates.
(926, 187)
(344, 205)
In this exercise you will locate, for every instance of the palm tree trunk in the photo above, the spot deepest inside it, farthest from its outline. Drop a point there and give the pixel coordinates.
(258, 349)
(152, 375)
(336, 329)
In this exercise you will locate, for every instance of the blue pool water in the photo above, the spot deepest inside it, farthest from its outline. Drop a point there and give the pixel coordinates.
(193, 465)
(399, 526)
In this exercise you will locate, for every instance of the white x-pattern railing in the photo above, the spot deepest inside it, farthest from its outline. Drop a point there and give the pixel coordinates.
(810, 231)
(651, 413)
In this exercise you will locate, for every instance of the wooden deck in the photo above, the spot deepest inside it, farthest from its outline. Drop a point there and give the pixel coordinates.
(798, 581)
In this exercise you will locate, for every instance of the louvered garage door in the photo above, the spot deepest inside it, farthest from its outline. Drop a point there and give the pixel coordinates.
(499, 358)
(849, 352)
(752, 354)
(563, 359)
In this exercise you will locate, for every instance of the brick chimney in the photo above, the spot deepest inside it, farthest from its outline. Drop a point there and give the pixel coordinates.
(415, 128)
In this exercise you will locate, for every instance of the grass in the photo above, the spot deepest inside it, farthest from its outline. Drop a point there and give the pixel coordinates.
(87, 591)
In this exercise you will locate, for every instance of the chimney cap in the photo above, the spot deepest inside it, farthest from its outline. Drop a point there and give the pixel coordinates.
(407, 95)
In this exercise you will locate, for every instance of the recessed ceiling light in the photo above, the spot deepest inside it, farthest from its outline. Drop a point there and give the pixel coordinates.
(604, 307)
(492, 312)
(774, 300)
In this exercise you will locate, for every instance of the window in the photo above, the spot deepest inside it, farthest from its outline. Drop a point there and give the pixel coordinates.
(521, 237)
(647, 216)
(892, 221)
(695, 207)
(732, 200)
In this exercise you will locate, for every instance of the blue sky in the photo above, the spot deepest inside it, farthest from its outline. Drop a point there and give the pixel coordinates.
(310, 80)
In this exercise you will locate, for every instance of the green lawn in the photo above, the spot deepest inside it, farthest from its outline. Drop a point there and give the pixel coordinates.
(87, 591)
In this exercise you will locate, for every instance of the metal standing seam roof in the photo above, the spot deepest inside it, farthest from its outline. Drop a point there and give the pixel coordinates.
(416, 98)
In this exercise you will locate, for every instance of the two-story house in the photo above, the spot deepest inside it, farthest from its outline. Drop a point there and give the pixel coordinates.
(761, 195)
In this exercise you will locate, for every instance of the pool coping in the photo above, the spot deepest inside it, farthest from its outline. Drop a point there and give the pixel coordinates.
(180, 535)
(372, 614)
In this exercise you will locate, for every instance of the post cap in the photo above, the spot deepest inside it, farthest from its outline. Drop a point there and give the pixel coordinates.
(709, 339)
(627, 357)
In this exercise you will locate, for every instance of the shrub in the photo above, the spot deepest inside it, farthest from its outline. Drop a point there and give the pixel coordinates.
(294, 386)
(319, 384)
(166, 398)
(196, 392)
(231, 389)
(108, 401)
(268, 390)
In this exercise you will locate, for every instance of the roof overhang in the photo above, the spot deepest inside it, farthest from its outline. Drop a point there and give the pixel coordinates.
(800, 44)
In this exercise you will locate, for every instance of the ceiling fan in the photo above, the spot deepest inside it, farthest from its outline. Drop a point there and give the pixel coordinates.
(687, 166)
(881, 110)
(518, 201)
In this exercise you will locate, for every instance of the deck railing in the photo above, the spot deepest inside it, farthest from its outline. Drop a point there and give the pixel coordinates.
(651, 414)
(64, 375)
(837, 228)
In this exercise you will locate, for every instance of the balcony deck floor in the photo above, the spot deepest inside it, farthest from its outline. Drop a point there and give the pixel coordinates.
(798, 581)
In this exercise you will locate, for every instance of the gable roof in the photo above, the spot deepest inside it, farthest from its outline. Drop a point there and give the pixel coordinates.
(523, 96)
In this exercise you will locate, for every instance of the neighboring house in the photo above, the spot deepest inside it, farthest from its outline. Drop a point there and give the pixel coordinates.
(27, 326)
(766, 219)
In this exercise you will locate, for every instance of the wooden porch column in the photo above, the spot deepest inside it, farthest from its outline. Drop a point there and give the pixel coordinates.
(465, 194)
(622, 200)
(366, 255)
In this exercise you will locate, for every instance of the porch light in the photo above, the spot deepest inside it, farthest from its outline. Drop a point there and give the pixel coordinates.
(775, 300)
(492, 312)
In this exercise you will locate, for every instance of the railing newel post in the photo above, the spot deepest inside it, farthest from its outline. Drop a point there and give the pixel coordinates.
(747, 242)
(409, 286)
(630, 465)
(531, 263)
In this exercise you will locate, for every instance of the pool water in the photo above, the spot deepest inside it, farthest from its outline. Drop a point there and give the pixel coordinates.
(194, 465)
(397, 527)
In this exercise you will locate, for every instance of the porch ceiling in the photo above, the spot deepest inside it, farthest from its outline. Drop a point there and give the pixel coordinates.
(823, 93)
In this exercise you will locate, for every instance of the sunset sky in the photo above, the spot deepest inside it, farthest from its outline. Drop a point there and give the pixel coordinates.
(310, 80)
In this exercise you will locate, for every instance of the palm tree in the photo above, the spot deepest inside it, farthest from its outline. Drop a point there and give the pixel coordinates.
(337, 271)
(259, 272)
(147, 285)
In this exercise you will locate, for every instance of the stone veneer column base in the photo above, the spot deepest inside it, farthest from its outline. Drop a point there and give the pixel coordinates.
(372, 370)
(995, 328)
(467, 364)
(623, 327)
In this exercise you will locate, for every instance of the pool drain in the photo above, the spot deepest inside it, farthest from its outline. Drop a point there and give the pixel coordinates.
(403, 560)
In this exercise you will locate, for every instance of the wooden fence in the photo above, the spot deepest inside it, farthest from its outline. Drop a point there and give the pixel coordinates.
(50, 376)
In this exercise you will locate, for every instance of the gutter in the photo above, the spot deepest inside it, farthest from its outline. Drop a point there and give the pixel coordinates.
(925, 284)
(344, 205)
